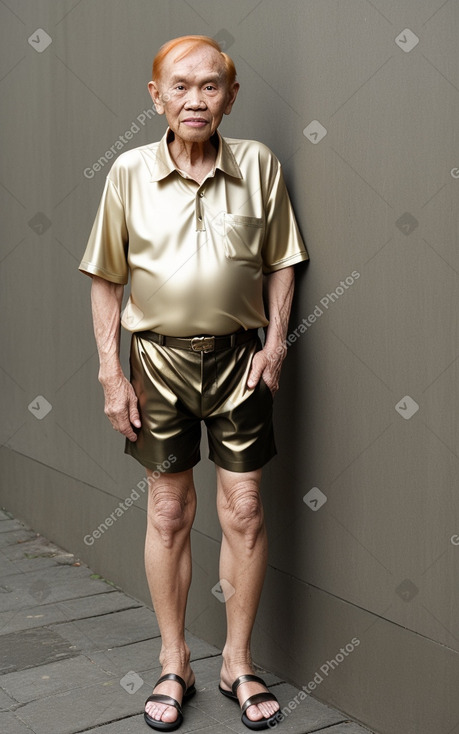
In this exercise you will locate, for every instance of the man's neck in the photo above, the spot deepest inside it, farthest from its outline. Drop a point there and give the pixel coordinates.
(197, 159)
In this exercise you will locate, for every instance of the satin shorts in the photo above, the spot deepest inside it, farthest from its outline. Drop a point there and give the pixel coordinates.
(178, 389)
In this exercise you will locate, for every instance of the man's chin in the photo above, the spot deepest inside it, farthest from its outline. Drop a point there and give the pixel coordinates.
(195, 134)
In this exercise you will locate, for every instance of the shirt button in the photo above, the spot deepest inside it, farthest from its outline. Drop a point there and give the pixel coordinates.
(201, 194)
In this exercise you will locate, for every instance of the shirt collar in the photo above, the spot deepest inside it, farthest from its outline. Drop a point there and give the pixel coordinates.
(161, 165)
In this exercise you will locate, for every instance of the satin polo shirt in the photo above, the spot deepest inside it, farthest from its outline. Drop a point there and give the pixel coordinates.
(196, 254)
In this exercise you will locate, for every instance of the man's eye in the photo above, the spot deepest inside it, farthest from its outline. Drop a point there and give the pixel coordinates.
(180, 87)
(210, 88)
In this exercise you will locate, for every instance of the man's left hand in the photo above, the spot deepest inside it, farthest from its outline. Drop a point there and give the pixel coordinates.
(267, 364)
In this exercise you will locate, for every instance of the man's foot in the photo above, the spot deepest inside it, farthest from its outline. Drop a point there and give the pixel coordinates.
(179, 689)
(255, 713)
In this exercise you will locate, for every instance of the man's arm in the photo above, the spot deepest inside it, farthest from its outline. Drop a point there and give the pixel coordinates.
(120, 398)
(268, 361)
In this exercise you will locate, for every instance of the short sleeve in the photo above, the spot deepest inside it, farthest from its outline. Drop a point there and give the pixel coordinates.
(283, 245)
(106, 251)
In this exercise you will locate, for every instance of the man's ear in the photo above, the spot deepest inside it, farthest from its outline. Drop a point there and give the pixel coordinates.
(156, 97)
(232, 94)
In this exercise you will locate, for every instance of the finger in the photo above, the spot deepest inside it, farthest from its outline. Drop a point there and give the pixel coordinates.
(121, 423)
(130, 435)
(255, 372)
(128, 431)
(253, 378)
(271, 379)
(134, 415)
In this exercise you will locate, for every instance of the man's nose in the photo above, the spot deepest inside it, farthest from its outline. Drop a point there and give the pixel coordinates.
(195, 99)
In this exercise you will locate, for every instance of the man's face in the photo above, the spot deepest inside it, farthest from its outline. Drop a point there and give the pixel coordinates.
(193, 93)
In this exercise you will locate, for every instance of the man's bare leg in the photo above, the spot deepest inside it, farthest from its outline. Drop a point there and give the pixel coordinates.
(243, 561)
(171, 511)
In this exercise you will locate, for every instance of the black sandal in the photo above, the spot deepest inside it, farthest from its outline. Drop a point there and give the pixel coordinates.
(253, 701)
(160, 698)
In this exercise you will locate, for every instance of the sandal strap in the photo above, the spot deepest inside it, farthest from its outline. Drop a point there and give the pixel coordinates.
(159, 698)
(247, 679)
(174, 677)
(256, 699)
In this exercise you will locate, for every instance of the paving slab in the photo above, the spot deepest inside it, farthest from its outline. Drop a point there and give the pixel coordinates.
(10, 524)
(136, 725)
(197, 719)
(137, 656)
(15, 536)
(12, 724)
(81, 708)
(33, 547)
(128, 725)
(6, 702)
(56, 574)
(25, 649)
(309, 716)
(52, 678)
(143, 657)
(113, 600)
(56, 583)
(110, 630)
(7, 569)
(65, 611)
(200, 649)
(7, 566)
(349, 727)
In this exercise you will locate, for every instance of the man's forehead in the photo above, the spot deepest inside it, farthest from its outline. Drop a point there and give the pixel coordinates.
(200, 62)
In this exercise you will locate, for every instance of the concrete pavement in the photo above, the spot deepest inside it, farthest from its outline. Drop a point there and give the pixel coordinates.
(77, 654)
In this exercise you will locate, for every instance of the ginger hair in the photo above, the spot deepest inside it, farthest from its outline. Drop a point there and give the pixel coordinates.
(190, 43)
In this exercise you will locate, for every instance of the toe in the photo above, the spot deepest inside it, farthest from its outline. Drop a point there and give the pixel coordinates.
(269, 708)
(253, 713)
(262, 711)
(169, 715)
(161, 713)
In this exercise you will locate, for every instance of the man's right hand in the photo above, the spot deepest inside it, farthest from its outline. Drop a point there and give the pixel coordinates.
(121, 405)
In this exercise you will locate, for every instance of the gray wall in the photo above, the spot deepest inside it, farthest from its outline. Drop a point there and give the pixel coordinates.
(377, 196)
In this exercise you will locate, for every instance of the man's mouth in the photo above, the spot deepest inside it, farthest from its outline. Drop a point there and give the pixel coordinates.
(195, 122)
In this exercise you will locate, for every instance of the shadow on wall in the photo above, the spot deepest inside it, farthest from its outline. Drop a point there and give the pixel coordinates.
(284, 485)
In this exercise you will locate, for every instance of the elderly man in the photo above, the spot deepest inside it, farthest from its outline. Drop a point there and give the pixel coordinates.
(200, 223)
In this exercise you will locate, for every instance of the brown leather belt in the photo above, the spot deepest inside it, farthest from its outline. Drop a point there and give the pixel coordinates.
(201, 343)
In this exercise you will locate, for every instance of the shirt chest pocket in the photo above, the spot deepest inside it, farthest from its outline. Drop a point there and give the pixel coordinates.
(243, 237)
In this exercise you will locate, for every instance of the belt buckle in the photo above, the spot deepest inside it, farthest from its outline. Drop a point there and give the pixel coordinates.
(203, 344)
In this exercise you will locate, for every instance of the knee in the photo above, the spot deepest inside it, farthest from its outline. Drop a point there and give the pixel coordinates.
(169, 513)
(243, 511)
